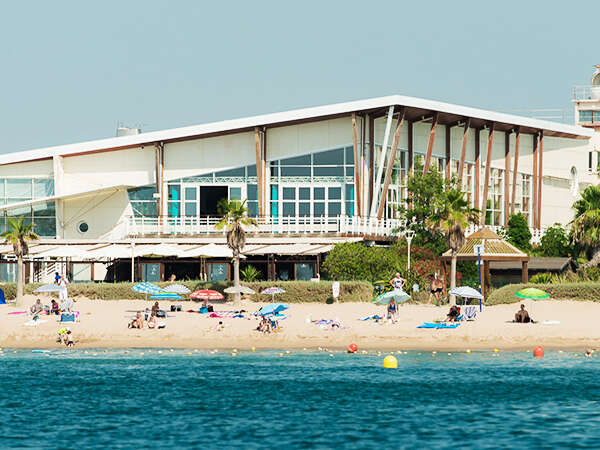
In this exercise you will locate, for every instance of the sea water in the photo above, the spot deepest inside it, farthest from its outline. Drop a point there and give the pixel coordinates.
(304, 399)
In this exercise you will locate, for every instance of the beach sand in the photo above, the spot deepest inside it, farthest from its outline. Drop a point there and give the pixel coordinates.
(104, 324)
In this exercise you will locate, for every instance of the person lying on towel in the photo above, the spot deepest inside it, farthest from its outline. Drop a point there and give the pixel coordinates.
(522, 316)
(453, 314)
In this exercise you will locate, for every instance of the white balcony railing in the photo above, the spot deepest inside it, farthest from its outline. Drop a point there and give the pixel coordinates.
(536, 234)
(586, 93)
(143, 226)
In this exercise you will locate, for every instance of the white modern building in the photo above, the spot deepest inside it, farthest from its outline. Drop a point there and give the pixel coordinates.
(147, 202)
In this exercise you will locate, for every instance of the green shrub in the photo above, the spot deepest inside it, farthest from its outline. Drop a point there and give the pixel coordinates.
(582, 291)
(518, 232)
(554, 242)
(250, 273)
(545, 277)
(296, 291)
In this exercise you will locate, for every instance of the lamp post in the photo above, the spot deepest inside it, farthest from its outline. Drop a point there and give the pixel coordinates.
(409, 235)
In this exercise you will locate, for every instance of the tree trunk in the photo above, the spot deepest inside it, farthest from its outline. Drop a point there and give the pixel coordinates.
(20, 279)
(595, 259)
(453, 275)
(236, 275)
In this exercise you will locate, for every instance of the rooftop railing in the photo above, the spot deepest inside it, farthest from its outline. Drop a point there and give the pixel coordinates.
(586, 93)
(344, 225)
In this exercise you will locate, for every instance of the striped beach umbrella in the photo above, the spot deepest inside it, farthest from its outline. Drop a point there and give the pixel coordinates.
(206, 294)
(532, 293)
(146, 288)
(272, 291)
(166, 296)
(177, 289)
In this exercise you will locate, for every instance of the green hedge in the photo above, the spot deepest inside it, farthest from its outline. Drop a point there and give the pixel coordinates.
(587, 291)
(295, 291)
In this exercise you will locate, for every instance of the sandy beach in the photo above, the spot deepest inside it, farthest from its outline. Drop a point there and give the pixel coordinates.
(104, 324)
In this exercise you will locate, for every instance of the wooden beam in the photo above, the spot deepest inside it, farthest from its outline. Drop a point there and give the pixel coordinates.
(524, 271)
(515, 169)
(430, 143)
(486, 181)
(160, 162)
(463, 149)
(540, 181)
(356, 163)
(533, 186)
(390, 164)
(410, 155)
(265, 180)
(477, 166)
(448, 151)
(259, 176)
(371, 158)
(506, 176)
(363, 169)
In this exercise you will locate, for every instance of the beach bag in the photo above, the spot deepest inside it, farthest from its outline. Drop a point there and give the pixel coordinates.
(161, 313)
(67, 318)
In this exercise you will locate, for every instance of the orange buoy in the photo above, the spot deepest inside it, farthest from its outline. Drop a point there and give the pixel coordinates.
(352, 348)
(538, 352)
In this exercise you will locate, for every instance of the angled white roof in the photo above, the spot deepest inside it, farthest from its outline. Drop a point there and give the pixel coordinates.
(549, 128)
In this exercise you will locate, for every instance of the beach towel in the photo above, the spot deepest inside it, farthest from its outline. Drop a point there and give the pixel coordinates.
(34, 323)
(439, 326)
(373, 317)
(67, 318)
(17, 312)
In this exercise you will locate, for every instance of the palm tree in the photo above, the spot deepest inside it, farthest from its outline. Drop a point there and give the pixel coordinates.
(452, 216)
(18, 234)
(234, 218)
(586, 224)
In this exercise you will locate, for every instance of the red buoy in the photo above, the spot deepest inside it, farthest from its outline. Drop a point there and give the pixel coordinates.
(538, 352)
(352, 348)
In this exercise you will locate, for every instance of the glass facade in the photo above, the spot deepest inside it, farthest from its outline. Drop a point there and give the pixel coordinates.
(19, 190)
(589, 116)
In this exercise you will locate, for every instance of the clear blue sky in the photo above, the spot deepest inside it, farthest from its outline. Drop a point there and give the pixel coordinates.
(72, 69)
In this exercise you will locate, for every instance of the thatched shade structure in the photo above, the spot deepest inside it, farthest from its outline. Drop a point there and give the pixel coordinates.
(494, 249)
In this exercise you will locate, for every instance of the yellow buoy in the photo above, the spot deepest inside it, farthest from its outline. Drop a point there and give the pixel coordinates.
(496, 350)
(468, 351)
(281, 354)
(390, 362)
(253, 349)
(233, 354)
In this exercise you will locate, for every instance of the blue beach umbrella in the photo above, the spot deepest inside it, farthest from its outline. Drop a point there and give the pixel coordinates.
(272, 308)
(166, 296)
(48, 288)
(146, 288)
(387, 297)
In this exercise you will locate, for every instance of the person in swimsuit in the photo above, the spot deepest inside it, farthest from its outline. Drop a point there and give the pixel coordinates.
(155, 308)
(436, 287)
(152, 320)
(392, 311)
(398, 282)
(453, 314)
(522, 316)
(69, 340)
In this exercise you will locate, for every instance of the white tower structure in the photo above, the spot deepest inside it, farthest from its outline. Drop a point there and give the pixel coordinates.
(587, 114)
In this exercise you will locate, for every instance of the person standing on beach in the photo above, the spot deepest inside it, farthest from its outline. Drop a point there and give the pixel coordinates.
(436, 287)
(398, 282)
(62, 283)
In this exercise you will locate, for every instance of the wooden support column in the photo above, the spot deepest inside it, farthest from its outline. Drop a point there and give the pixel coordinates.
(477, 166)
(411, 156)
(390, 164)
(486, 181)
(463, 149)
(266, 181)
(357, 184)
(488, 278)
(540, 181)
(506, 176)
(160, 163)
(434, 124)
(259, 172)
(371, 160)
(524, 272)
(533, 186)
(515, 169)
(448, 151)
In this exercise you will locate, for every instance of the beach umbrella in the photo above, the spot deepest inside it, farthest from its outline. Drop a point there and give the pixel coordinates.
(146, 288)
(532, 293)
(272, 291)
(48, 288)
(177, 289)
(206, 294)
(239, 290)
(466, 292)
(387, 297)
(166, 296)
(272, 308)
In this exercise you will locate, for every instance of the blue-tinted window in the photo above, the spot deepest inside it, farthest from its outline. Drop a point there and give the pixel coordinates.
(304, 193)
(585, 116)
(174, 192)
(334, 209)
(19, 188)
(252, 191)
(303, 160)
(289, 209)
(43, 187)
(289, 193)
(329, 171)
(295, 171)
(329, 158)
(349, 155)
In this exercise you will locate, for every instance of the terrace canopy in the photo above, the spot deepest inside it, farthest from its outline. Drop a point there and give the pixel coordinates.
(494, 249)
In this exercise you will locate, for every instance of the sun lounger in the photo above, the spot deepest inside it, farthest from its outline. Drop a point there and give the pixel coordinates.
(470, 312)
(373, 317)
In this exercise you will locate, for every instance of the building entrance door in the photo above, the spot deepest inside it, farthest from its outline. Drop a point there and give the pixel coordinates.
(210, 196)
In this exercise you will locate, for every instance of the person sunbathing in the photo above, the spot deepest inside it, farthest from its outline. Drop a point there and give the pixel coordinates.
(522, 316)
(138, 322)
(37, 307)
(453, 314)
(152, 320)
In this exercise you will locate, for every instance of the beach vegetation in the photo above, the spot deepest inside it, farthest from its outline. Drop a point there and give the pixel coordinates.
(18, 234)
(451, 216)
(295, 291)
(234, 217)
(518, 233)
(580, 291)
(250, 273)
(554, 243)
(586, 224)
